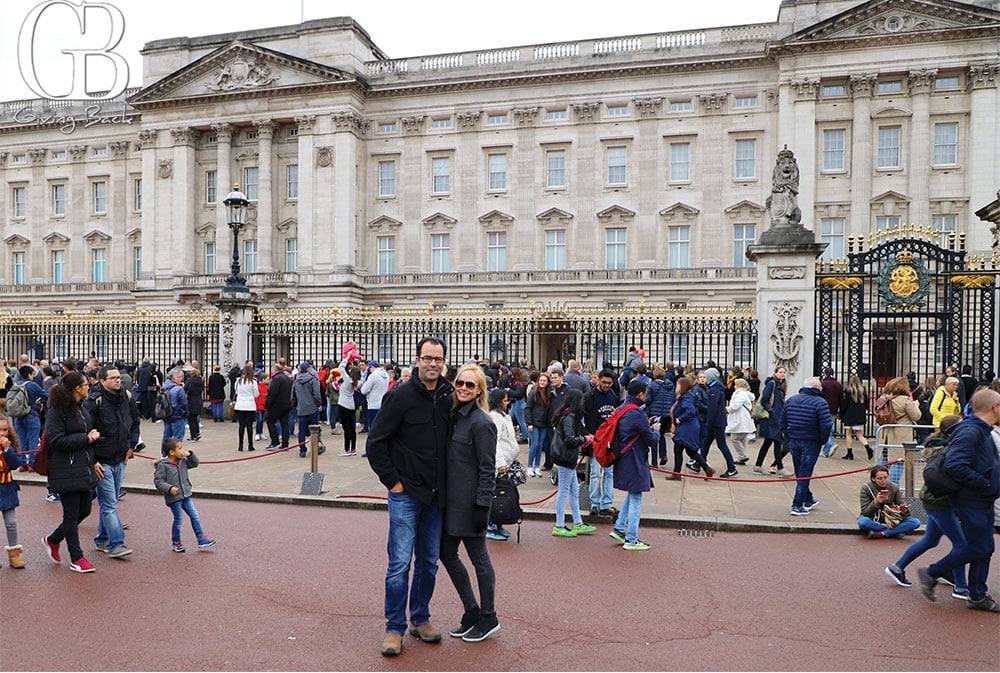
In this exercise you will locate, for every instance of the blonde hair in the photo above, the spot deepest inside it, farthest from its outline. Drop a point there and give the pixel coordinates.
(480, 377)
(742, 384)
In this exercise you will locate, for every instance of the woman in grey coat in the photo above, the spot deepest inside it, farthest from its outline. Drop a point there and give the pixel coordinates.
(471, 464)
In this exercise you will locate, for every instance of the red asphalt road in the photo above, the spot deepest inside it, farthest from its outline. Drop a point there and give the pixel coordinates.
(292, 587)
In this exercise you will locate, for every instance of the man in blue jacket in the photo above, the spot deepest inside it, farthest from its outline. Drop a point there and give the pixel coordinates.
(806, 424)
(715, 421)
(973, 463)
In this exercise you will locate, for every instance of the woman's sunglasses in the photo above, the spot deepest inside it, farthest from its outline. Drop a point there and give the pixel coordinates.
(471, 385)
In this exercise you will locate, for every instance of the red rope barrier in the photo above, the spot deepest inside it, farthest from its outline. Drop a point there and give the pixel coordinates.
(232, 460)
(771, 481)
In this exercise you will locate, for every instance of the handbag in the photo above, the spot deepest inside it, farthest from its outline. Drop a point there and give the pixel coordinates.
(43, 457)
(759, 412)
(516, 473)
(505, 507)
(891, 516)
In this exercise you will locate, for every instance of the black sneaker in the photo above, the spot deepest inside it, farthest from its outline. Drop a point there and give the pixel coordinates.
(469, 620)
(899, 576)
(594, 511)
(484, 628)
(729, 474)
(985, 603)
(927, 583)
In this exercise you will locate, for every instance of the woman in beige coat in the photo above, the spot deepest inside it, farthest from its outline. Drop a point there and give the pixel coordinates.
(907, 413)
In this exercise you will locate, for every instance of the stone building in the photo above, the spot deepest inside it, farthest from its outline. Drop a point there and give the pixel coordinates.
(595, 172)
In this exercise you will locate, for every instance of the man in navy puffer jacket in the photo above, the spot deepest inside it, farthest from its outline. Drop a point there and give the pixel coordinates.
(806, 424)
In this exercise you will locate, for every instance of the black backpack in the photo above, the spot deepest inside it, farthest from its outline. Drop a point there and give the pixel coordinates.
(506, 507)
(936, 479)
(163, 408)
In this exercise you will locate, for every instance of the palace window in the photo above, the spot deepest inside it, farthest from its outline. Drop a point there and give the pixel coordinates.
(497, 172)
(137, 195)
(555, 250)
(210, 258)
(100, 259)
(680, 106)
(100, 189)
(386, 246)
(617, 166)
(19, 269)
(136, 262)
(250, 256)
(291, 255)
(832, 233)
(555, 169)
(18, 199)
(58, 266)
(387, 178)
(679, 247)
(680, 162)
(833, 149)
(211, 191)
(888, 147)
(746, 101)
(251, 182)
(292, 181)
(614, 249)
(946, 144)
(441, 175)
(440, 253)
(744, 236)
(746, 159)
(496, 251)
(58, 199)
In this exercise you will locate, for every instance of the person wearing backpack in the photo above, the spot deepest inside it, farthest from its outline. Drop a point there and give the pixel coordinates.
(660, 397)
(904, 411)
(27, 423)
(686, 429)
(772, 399)
(974, 464)
(174, 424)
(940, 521)
(568, 437)
(632, 473)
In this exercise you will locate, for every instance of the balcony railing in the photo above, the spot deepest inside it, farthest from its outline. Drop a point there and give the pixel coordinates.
(565, 276)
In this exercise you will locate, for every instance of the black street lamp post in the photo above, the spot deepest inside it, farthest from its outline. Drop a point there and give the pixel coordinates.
(236, 210)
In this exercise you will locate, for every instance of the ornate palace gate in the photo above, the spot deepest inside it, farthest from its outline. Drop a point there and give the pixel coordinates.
(911, 300)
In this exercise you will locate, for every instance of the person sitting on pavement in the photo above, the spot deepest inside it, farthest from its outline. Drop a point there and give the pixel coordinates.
(805, 424)
(876, 494)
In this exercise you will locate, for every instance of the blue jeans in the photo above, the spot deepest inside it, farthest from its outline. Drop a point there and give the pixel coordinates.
(535, 443)
(187, 505)
(217, 410)
(904, 526)
(110, 533)
(304, 423)
(602, 484)
(261, 417)
(372, 413)
(977, 525)
(174, 429)
(939, 522)
(569, 487)
(628, 517)
(717, 433)
(414, 533)
(804, 457)
(517, 411)
(29, 429)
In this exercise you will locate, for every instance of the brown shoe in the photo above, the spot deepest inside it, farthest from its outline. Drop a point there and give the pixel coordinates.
(674, 477)
(426, 632)
(709, 472)
(392, 645)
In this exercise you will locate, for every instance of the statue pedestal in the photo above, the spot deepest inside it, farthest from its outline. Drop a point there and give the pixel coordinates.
(786, 304)
(235, 316)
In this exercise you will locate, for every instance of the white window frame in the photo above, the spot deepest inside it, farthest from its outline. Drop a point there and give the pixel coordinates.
(946, 148)
(211, 186)
(497, 172)
(440, 175)
(555, 175)
(834, 90)
(291, 255)
(99, 265)
(388, 127)
(58, 199)
(99, 191)
(440, 253)
(680, 162)
(617, 165)
(890, 86)
(555, 250)
(834, 150)
(19, 201)
(136, 261)
(744, 235)
(883, 222)
(496, 251)
(616, 110)
(556, 115)
(58, 266)
(947, 223)
(386, 253)
(833, 231)
(19, 268)
(444, 123)
(211, 257)
(251, 182)
(497, 119)
(746, 101)
(137, 195)
(387, 178)
(679, 247)
(945, 83)
(615, 248)
(250, 256)
(292, 181)
(889, 147)
(745, 152)
(681, 106)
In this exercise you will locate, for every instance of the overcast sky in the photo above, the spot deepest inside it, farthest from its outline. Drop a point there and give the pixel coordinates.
(399, 27)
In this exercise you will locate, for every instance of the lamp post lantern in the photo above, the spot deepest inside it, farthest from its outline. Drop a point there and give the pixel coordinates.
(236, 214)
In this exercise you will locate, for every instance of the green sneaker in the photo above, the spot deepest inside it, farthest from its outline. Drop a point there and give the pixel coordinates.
(561, 531)
(638, 545)
(617, 535)
(584, 529)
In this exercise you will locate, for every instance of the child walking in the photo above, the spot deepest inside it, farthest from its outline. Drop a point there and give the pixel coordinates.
(171, 479)
(10, 461)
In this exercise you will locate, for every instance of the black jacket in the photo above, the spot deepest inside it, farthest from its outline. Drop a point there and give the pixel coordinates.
(216, 386)
(72, 455)
(471, 470)
(144, 378)
(568, 436)
(116, 417)
(537, 412)
(279, 396)
(407, 441)
(195, 389)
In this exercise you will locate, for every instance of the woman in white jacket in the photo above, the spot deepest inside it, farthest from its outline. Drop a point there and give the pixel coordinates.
(245, 404)
(507, 448)
(739, 424)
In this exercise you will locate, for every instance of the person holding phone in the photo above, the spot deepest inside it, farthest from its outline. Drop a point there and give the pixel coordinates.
(876, 494)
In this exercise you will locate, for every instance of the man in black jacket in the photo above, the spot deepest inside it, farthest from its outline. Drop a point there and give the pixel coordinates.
(406, 449)
(278, 404)
(116, 417)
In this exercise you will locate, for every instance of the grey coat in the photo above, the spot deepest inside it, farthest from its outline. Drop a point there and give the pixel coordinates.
(167, 475)
(306, 394)
(471, 470)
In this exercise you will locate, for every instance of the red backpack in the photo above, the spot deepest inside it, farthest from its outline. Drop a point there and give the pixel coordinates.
(607, 444)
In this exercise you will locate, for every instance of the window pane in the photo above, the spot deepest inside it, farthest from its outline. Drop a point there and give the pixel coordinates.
(679, 247)
(555, 168)
(832, 233)
(680, 162)
(615, 249)
(100, 265)
(250, 182)
(680, 106)
(833, 150)
(58, 266)
(887, 222)
(555, 250)
(137, 194)
(888, 147)
(292, 182)
(944, 222)
(498, 172)
(387, 178)
(19, 268)
(945, 144)
(746, 101)
(496, 251)
(616, 166)
(743, 237)
(210, 258)
(386, 246)
(440, 253)
(100, 197)
(210, 188)
(746, 158)
(291, 255)
(250, 256)
(58, 199)
(136, 262)
(19, 196)
(441, 169)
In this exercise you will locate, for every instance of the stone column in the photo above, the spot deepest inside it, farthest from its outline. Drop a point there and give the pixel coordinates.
(265, 196)
(223, 185)
(805, 93)
(984, 148)
(235, 316)
(348, 125)
(920, 82)
(307, 187)
(647, 220)
(860, 87)
(182, 185)
(150, 198)
(588, 163)
(706, 238)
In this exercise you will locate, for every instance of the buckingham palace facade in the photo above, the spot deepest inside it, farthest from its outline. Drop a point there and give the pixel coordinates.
(595, 172)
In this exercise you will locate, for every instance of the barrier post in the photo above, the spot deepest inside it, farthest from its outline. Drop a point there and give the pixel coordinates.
(909, 460)
(312, 482)
(314, 448)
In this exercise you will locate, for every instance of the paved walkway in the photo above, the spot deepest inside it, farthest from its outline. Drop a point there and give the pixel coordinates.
(748, 502)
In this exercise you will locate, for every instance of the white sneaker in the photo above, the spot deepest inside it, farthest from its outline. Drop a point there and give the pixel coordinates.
(256, 437)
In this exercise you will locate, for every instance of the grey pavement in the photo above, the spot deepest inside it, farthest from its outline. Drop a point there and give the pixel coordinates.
(748, 502)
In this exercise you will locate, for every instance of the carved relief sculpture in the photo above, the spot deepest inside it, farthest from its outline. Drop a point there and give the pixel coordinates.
(166, 168)
(468, 120)
(648, 107)
(78, 152)
(324, 156)
(786, 337)
(306, 124)
(243, 72)
(227, 334)
(525, 116)
(784, 200)
(585, 111)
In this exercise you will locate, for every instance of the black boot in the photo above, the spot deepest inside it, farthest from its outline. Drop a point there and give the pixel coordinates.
(850, 455)
(871, 454)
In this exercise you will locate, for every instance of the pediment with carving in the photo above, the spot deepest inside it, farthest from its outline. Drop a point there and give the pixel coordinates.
(554, 216)
(17, 242)
(239, 68)
(206, 232)
(385, 223)
(889, 18)
(55, 238)
(746, 210)
(615, 213)
(96, 236)
(133, 235)
(288, 226)
(495, 218)
(439, 221)
(679, 212)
